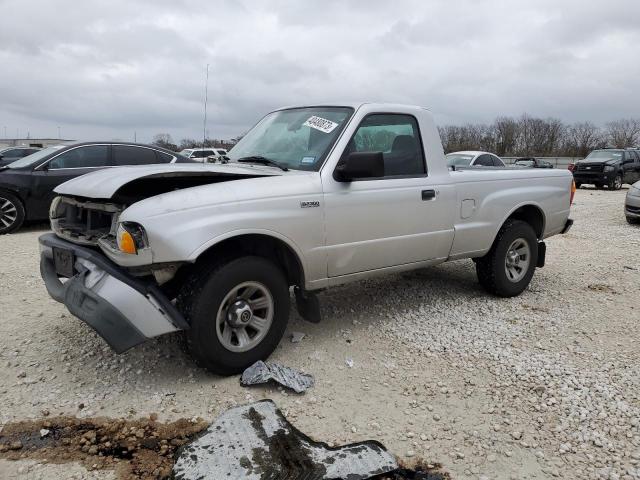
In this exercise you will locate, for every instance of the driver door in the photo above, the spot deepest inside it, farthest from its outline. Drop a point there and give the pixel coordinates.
(394, 220)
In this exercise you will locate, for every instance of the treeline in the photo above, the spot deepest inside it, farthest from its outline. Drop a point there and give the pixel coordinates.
(164, 140)
(543, 137)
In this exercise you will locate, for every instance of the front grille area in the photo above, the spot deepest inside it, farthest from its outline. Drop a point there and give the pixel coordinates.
(631, 209)
(590, 167)
(83, 222)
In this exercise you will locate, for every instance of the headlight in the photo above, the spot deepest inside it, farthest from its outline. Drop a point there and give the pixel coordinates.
(53, 209)
(609, 168)
(130, 237)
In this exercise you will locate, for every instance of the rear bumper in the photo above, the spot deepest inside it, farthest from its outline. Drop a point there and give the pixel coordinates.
(123, 310)
(567, 226)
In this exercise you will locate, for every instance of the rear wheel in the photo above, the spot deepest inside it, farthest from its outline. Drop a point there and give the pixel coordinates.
(238, 311)
(509, 266)
(616, 183)
(11, 213)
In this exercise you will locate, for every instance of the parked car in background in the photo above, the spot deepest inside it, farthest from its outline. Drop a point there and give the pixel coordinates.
(470, 158)
(203, 154)
(221, 154)
(11, 154)
(611, 167)
(532, 162)
(26, 185)
(632, 204)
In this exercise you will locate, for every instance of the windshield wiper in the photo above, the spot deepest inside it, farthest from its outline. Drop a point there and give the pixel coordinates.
(262, 160)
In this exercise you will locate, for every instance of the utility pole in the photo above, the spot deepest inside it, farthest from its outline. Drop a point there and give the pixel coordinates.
(59, 137)
(206, 98)
(135, 137)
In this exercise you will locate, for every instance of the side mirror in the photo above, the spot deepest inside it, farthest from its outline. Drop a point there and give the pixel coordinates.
(359, 165)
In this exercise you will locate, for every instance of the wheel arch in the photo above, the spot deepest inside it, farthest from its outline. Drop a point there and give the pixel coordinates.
(530, 213)
(264, 244)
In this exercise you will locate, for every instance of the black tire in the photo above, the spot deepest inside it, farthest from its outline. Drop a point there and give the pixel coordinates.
(578, 185)
(202, 297)
(491, 269)
(616, 183)
(12, 212)
(632, 220)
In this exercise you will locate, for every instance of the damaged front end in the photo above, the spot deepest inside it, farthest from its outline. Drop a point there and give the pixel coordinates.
(84, 222)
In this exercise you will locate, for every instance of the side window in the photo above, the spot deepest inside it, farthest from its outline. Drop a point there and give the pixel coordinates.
(129, 155)
(397, 137)
(163, 157)
(483, 161)
(82, 157)
(497, 162)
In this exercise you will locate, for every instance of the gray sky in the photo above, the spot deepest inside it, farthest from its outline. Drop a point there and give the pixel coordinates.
(104, 69)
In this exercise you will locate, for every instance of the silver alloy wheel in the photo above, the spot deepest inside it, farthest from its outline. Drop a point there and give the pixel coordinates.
(617, 183)
(516, 263)
(8, 213)
(245, 316)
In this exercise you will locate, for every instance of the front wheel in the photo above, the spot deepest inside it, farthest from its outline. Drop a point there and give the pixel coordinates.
(508, 267)
(616, 183)
(633, 220)
(11, 213)
(238, 311)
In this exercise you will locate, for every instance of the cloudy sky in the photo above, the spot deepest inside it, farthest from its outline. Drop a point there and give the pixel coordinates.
(107, 69)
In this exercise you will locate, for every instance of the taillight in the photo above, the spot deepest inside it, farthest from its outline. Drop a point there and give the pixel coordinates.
(573, 191)
(571, 167)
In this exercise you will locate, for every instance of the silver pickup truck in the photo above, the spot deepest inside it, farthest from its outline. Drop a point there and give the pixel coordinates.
(311, 197)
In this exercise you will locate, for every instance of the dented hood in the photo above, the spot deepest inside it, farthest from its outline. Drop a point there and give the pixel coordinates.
(105, 183)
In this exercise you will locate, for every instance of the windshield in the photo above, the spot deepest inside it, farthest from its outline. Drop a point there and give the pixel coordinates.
(298, 138)
(34, 157)
(458, 160)
(605, 155)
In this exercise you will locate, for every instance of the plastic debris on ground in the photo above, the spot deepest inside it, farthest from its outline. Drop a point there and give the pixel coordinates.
(296, 337)
(256, 441)
(261, 372)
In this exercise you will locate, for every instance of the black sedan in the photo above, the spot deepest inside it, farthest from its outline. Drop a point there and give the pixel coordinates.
(26, 185)
(11, 154)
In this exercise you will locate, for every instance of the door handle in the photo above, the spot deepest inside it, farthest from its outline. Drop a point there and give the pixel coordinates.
(428, 194)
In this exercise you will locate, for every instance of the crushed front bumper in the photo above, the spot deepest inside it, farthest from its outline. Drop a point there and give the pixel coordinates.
(122, 309)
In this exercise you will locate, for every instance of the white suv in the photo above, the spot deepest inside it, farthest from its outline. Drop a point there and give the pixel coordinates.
(204, 154)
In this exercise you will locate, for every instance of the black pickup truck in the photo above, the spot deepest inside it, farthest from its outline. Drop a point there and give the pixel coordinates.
(610, 167)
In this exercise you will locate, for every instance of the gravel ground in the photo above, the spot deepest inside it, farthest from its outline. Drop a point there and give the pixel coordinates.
(540, 386)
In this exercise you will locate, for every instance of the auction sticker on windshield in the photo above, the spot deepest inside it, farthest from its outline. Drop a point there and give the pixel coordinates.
(322, 124)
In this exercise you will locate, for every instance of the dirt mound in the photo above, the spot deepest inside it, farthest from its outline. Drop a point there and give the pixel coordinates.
(135, 449)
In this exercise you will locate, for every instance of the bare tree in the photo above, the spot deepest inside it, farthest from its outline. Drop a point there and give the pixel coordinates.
(624, 133)
(506, 133)
(582, 138)
(164, 140)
